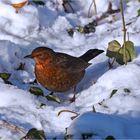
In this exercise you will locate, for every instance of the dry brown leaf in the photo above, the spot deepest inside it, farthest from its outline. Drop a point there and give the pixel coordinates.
(19, 5)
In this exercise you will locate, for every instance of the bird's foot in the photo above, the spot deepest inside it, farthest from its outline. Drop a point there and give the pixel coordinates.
(33, 82)
(72, 99)
(51, 93)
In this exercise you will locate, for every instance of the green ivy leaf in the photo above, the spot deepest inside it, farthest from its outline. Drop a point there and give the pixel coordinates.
(53, 98)
(36, 91)
(109, 138)
(21, 66)
(115, 50)
(138, 11)
(70, 31)
(38, 2)
(126, 90)
(42, 105)
(131, 50)
(86, 135)
(35, 134)
(8, 82)
(68, 137)
(80, 29)
(114, 46)
(5, 76)
(113, 92)
(88, 28)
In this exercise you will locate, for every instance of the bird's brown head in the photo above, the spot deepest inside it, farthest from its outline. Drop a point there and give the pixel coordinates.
(41, 54)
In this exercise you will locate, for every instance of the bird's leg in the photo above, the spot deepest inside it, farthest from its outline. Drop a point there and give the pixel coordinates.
(74, 95)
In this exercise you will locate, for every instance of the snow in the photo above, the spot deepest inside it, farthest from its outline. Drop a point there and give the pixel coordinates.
(35, 26)
(101, 125)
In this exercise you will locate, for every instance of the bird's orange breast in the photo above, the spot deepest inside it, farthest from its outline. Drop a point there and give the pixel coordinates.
(56, 79)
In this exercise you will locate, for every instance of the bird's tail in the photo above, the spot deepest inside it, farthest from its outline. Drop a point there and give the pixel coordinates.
(90, 54)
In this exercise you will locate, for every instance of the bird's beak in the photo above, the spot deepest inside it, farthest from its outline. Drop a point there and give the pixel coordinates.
(28, 56)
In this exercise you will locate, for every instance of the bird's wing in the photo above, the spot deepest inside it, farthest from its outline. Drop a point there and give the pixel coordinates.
(71, 64)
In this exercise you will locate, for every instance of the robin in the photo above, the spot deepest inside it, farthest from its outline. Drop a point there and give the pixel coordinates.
(59, 72)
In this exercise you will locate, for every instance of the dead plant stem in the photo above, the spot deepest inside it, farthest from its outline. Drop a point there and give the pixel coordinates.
(124, 31)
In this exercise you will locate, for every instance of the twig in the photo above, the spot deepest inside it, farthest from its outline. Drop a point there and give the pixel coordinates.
(64, 5)
(12, 127)
(124, 31)
(128, 36)
(109, 11)
(111, 63)
(67, 111)
(93, 109)
(77, 114)
(95, 8)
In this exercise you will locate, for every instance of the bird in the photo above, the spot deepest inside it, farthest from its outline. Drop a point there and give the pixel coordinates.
(59, 72)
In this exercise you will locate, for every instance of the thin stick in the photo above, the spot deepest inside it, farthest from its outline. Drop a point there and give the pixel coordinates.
(95, 8)
(64, 5)
(110, 64)
(12, 127)
(67, 111)
(124, 31)
(128, 36)
(73, 117)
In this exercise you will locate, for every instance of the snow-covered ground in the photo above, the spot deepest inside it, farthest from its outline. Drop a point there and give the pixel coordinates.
(34, 26)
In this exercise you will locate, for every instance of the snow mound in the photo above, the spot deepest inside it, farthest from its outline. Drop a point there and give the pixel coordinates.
(103, 125)
(119, 78)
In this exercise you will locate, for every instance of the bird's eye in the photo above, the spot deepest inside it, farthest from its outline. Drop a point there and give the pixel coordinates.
(42, 56)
